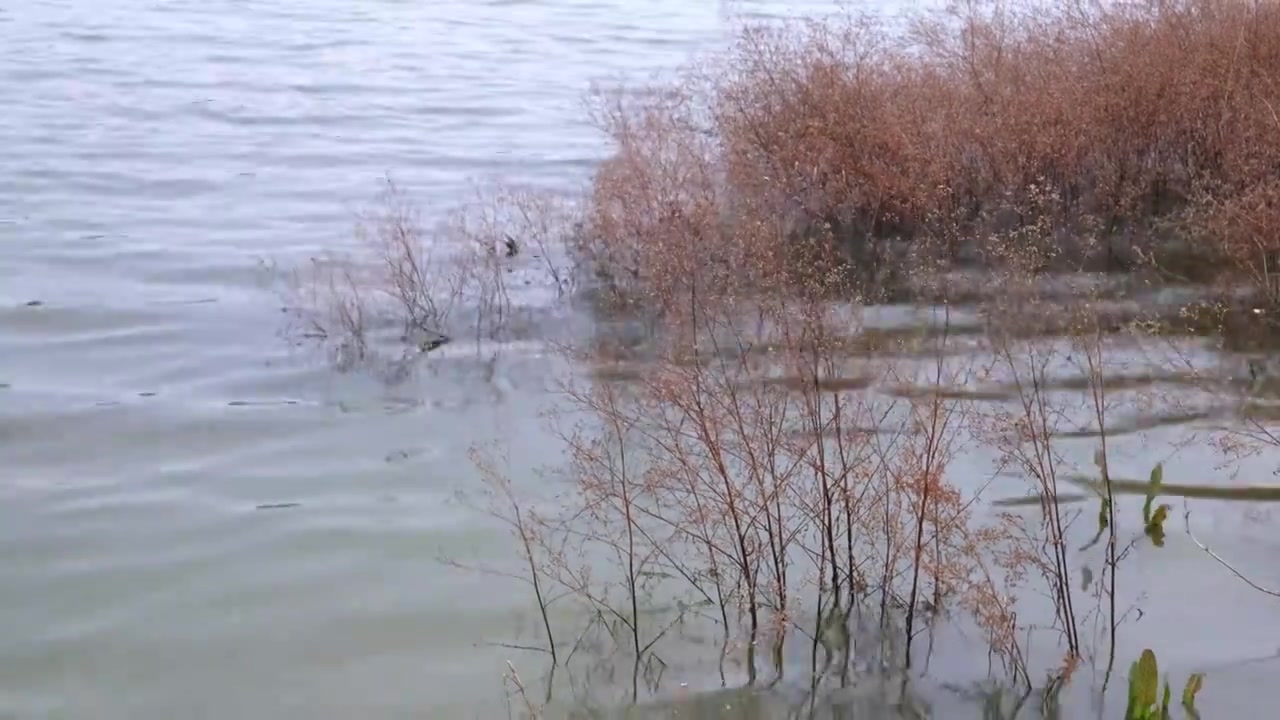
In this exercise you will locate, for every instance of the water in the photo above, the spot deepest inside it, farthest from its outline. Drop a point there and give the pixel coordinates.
(155, 152)
(196, 518)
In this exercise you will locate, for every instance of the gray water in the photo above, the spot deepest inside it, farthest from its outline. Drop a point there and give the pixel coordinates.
(153, 154)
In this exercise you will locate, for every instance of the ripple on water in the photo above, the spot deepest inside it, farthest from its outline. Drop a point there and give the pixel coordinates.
(153, 153)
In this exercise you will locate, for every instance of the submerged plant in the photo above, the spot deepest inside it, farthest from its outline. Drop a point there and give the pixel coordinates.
(1153, 490)
(1144, 685)
(1153, 522)
(826, 167)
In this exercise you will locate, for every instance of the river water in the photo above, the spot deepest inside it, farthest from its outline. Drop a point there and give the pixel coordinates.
(154, 153)
(198, 519)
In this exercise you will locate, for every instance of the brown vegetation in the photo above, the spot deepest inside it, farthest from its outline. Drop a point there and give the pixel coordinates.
(1119, 132)
(758, 207)
(845, 161)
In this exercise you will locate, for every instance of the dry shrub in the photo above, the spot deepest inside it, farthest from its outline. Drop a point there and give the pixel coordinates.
(1151, 125)
(759, 202)
(848, 159)
(744, 470)
(1245, 227)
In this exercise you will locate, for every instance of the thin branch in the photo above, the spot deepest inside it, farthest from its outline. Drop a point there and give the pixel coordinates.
(509, 646)
(1186, 518)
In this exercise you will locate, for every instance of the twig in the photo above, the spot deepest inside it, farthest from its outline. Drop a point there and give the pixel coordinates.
(510, 646)
(595, 619)
(1273, 112)
(515, 678)
(1186, 517)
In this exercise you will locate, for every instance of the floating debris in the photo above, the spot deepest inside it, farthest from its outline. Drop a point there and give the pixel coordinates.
(431, 344)
(279, 506)
(403, 455)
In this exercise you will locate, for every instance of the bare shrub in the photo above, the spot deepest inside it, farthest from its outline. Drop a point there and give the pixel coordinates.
(542, 225)
(746, 470)
(404, 290)
(502, 502)
(396, 292)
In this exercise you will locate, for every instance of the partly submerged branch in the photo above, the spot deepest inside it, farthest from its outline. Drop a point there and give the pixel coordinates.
(1186, 518)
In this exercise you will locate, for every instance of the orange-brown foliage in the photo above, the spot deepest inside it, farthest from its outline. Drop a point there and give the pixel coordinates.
(1147, 126)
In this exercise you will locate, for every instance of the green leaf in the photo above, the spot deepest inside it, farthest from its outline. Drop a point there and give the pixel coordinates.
(1148, 680)
(1153, 489)
(1194, 683)
(1155, 526)
(1156, 533)
(1132, 712)
(1160, 515)
(1164, 701)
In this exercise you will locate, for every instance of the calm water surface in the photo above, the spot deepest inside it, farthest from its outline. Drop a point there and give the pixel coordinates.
(152, 153)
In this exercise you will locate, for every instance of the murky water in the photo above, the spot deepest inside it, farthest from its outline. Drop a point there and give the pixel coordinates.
(197, 520)
(154, 152)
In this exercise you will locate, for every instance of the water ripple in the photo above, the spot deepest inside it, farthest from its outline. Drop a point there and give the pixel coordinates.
(153, 152)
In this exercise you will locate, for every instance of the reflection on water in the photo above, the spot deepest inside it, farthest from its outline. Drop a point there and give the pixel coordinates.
(817, 676)
(1157, 408)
